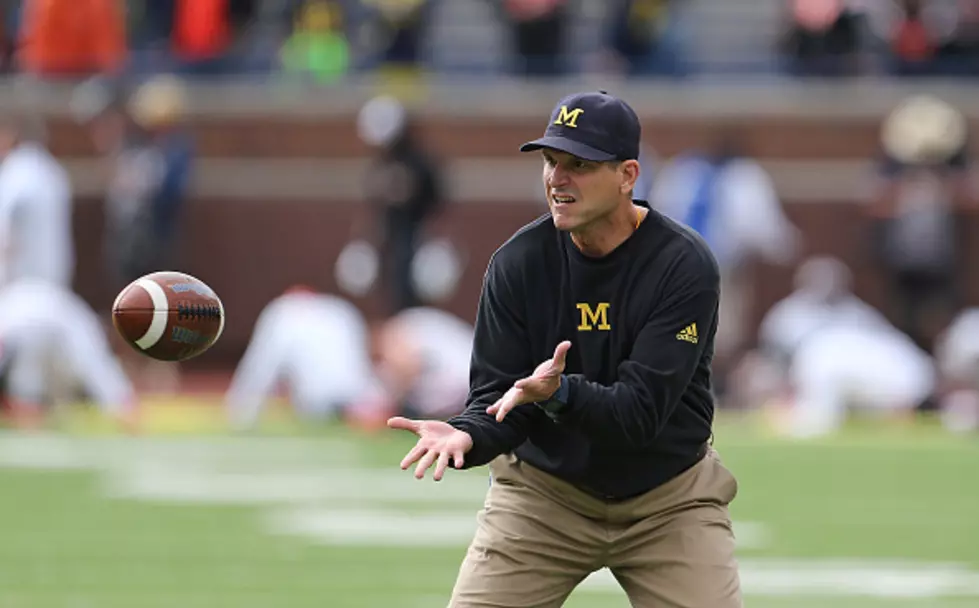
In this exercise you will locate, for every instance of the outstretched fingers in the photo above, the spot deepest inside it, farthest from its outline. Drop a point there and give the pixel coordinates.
(507, 402)
(426, 461)
(413, 455)
(441, 465)
(405, 424)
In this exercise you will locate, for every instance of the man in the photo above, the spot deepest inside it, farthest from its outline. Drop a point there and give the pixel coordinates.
(422, 362)
(36, 315)
(151, 158)
(920, 214)
(404, 189)
(36, 241)
(313, 343)
(823, 297)
(824, 352)
(599, 455)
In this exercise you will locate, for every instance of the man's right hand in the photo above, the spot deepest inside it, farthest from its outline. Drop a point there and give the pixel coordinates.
(436, 441)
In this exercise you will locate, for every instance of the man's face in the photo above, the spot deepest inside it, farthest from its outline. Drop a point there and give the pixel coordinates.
(581, 191)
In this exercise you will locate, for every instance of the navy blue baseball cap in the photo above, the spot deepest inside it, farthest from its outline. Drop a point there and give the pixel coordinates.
(593, 126)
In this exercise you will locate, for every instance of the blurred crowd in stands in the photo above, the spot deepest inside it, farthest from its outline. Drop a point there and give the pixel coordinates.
(898, 37)
(328, 40)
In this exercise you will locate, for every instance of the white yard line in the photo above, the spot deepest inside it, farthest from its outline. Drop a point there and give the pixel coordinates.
(375, 528)
(170, 484)
(838, 578)
(392, 528)
(54, 451)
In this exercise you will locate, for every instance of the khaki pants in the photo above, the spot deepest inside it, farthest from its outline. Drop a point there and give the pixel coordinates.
(538, 537)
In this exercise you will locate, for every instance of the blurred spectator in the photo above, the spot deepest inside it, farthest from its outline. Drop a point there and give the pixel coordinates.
(960, 52)
(202, 35)
(823, 38)
(150, 25)
(206, 37)
(71, 37)
(923, 187)
(913, 45)
(152, 158)
(318, 45)
(729, 199)
(538, 29)
(822, 350)
(641, 39)
(313, 345)
(394, 34)
(404, 190)
(922, 38)
(153, 161)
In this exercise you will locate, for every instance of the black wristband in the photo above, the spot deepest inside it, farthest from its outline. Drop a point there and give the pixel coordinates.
(558, 401)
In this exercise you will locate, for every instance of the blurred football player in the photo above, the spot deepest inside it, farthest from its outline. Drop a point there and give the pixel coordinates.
(841, 369)
(35, 219)
(38, 316)
(825, 351)
(313, 343)
(421, 362)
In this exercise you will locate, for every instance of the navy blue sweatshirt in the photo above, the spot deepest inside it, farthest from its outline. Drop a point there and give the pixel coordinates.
(641, 321)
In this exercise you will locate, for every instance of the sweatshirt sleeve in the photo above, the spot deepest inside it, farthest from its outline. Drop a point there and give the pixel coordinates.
(650, 383)
(500, 357)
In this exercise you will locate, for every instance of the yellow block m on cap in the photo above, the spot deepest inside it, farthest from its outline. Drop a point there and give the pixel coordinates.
(568, 118)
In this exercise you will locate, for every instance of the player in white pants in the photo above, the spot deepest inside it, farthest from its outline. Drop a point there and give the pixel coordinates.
(849, 367)
(422, 357)
(38, 316)
(824, 350)
(316, 344)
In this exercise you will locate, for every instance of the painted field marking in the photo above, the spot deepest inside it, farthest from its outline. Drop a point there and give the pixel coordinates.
(370, 526)
(890, 579)
(162, 483)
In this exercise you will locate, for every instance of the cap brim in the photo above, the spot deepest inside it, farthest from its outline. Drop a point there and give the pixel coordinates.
(566, 145)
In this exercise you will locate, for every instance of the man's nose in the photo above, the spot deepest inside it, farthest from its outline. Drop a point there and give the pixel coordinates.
(558, 176)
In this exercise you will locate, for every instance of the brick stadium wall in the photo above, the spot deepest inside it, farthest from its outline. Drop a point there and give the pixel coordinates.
(250, 250)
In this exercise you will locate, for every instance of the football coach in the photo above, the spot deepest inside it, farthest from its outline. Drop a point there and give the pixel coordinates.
(590, 392)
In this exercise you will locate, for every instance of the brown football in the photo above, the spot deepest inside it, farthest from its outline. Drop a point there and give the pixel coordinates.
(170, 316)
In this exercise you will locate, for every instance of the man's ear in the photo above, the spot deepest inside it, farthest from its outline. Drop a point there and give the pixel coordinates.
(630, 173)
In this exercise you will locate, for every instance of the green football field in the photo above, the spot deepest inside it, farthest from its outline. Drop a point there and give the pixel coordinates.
(188, 518)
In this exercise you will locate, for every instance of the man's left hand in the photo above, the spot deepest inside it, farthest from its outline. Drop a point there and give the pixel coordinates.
(538, 387)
